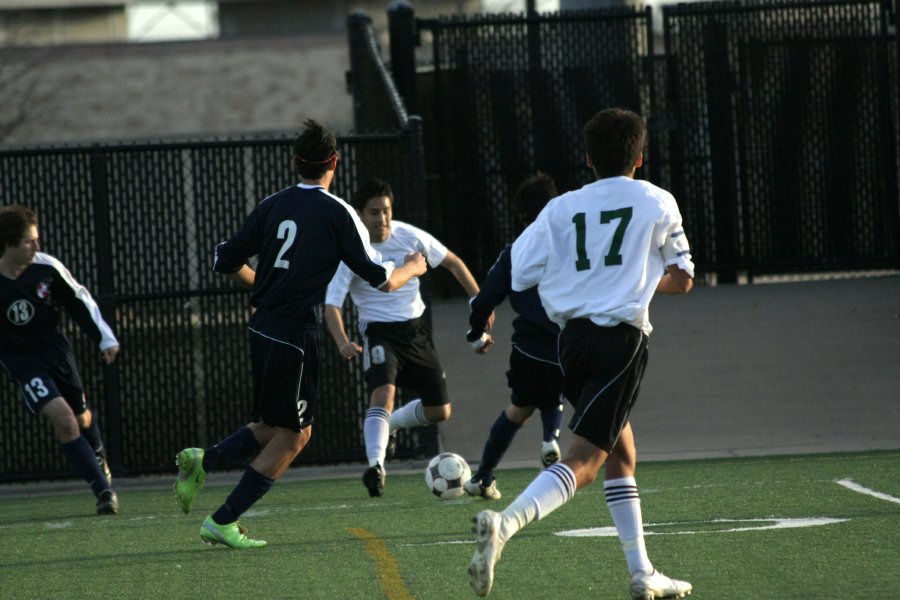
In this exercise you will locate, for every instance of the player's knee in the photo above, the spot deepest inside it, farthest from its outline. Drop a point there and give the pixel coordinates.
(437, 414)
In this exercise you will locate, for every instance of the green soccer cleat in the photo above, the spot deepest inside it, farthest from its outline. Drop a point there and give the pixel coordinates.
(190, 477)
(232, 535)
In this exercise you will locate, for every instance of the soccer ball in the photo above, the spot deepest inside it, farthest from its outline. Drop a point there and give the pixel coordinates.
(445, 475)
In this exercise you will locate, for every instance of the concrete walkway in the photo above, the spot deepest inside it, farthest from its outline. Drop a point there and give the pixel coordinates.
(752, 370)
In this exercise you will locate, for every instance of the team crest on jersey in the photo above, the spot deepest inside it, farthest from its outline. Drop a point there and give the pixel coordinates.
(20, 312)
(377, 353)
(43, 290)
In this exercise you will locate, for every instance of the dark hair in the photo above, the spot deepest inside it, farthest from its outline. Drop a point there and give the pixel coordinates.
(614, 139)
(532, 196)
(14, 220)
(372, 188)
(313, 150)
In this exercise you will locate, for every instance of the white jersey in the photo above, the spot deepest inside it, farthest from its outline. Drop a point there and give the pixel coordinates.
(402, 304)
(600, 251)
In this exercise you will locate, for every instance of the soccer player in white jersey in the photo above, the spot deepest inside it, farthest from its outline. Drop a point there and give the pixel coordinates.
(598, 254)
(38, 356)
(397, 348)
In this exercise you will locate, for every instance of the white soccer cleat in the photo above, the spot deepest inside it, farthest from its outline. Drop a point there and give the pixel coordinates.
(488, 547)
(656, 585)
(474, 487)
(549, 453)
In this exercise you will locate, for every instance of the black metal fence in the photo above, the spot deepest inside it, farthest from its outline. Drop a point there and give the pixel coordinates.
(787, 133)
(774, 123)
(137, 225)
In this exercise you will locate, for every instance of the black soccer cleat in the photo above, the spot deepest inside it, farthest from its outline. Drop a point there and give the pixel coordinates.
(373, 479)
(107, 503)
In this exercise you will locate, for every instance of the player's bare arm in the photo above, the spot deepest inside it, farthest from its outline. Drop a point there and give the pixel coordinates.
(675, 282)
(335, 323)
(244, 277)
(461, 273)
(413, 266)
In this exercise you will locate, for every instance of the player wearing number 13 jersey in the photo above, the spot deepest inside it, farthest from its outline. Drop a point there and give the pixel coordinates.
(597, 255)
(300, 236)
(38, 356)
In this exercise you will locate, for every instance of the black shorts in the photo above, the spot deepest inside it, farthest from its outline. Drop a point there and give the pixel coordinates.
(603, 367)
(402, 354)
(285, 360)
(47, 373)
(534, 383)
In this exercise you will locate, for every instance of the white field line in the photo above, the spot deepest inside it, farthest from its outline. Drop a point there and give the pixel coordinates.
(855, 487)
(754, 525)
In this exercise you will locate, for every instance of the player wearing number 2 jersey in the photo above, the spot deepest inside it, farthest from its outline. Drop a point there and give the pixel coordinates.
(300, 236)
(597, 255)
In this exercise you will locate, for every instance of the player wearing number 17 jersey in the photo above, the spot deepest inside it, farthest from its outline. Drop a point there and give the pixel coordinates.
(597, 255)
(300, 236)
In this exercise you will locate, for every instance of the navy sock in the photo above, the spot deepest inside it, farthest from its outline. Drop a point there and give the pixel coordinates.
(92, 435)
(252, 486)
(502, 433)
(240, 445)
(551, 420)
(81, 456)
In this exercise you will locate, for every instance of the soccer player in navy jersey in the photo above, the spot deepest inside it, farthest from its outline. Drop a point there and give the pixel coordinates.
(300, 236)
(38, 356)
(398, 349)
(534, 375)
(597, 255)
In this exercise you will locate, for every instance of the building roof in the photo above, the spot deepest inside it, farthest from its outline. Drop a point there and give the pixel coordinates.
(56, 4)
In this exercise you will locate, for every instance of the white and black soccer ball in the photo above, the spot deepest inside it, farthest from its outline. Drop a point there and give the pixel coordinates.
(445, 475)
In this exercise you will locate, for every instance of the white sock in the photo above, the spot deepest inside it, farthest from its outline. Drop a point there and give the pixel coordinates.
(624, 505)
(375, 432)
(411, 414)
(552, 488)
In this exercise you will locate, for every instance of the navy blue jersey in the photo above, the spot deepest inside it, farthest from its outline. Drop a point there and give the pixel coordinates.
(300, 234)
(534, 333)
(31, 302)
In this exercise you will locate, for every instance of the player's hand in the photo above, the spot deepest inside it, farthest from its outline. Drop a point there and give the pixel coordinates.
(482, 344)
(109, 355)
(419, 262)
(350, 349)
(490, 322)
(486, 346)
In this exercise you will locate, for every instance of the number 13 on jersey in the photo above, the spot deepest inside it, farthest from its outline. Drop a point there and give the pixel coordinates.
(613, 257)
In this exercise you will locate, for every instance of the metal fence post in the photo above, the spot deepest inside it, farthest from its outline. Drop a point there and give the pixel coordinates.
(107, 302)
(722, 148)
(404, 39)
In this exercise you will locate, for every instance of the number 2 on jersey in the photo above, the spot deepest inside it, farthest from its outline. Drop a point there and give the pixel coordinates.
(287, 231)
(613, 257)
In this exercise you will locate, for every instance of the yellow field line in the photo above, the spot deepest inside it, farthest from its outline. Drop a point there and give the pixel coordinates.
(386, 564)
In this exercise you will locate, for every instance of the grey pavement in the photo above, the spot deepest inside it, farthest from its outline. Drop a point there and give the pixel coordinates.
(781, 368)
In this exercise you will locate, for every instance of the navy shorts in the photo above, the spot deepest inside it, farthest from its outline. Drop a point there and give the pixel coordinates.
(534, 383)
(402, 354)
(47, 373)
(603, 368)
(285, 360)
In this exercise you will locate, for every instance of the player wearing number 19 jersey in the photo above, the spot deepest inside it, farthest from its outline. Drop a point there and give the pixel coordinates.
(300, 236)
(597, 255)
